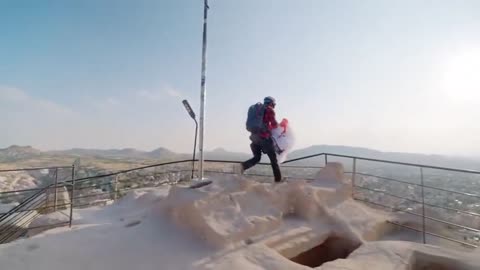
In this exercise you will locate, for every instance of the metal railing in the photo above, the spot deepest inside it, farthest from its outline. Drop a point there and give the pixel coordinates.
(84, 192)
(425, 218)
(427, 225)
(32, 203)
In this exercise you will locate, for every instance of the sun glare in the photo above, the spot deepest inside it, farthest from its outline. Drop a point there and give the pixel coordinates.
(461, 78)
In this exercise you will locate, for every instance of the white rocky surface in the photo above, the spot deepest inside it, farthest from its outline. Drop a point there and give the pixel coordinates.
(231, 224)
(17, 181)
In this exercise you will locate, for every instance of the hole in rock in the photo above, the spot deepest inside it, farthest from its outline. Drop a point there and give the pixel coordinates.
(334, 247)
(432, 262)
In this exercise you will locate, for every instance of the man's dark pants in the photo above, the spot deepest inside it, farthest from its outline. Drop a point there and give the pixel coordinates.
(266, 146)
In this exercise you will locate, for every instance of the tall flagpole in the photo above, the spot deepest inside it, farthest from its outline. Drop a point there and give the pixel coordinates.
(203, 88)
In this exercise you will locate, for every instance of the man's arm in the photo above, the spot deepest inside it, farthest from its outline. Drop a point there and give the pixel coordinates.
(270, 119)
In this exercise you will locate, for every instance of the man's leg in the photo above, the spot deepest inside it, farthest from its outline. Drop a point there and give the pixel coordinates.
(257, 156)
(270, 151)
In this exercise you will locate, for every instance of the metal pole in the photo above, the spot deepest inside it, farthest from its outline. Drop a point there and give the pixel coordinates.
(203, 88)
(194, 147)
(56, 190)
(354, 175)
(192, 115)
(72, 196)
(423, 207)
(47, 196)
(326, 160)
(115, 188)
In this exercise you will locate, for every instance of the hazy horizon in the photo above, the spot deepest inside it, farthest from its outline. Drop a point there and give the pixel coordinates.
(188, 152)
(390, 76)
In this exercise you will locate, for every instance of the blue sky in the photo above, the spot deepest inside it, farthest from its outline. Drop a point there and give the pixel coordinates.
(390, 75)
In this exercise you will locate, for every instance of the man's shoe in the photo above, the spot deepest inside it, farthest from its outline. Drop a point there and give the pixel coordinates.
(284, 179)
(238, 169)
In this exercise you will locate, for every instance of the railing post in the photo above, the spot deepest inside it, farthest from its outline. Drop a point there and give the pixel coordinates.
(47, 195)
(423, 207)
(72, 196)
(354, 176)
(115, 188)
(326, 160)
(194, 149)
(56, 191)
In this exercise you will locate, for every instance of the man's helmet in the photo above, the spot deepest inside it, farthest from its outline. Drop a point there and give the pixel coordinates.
(269, 101)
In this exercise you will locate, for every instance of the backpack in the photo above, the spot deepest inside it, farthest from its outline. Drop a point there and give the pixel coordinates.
(255, 122)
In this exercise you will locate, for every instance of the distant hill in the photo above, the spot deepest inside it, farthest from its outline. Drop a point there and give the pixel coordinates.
(336, 149)
(222, 154)
(157, 154)
(15, 152)
(435, 160)
(126, 153)
(160, 153)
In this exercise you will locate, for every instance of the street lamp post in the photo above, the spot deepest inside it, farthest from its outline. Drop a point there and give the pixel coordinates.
(192, 115)
(203, 87)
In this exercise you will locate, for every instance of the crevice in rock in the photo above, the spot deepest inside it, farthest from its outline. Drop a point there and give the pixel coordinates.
(334, 247)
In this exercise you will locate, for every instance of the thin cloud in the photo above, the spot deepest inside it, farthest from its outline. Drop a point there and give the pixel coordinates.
(11, 94)
(104, 103)
(19, 97)
(150, 95)
(112, 101)
(174, 93)
(161, 94)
